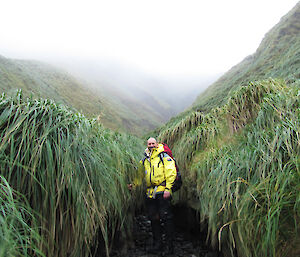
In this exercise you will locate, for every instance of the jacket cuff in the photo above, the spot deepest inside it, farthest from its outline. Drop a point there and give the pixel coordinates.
(168, 190)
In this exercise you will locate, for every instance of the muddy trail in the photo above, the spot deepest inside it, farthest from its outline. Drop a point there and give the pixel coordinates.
(189, 241)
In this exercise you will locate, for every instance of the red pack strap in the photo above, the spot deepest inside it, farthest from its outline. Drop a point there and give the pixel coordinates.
(161, 156)
(167, 150)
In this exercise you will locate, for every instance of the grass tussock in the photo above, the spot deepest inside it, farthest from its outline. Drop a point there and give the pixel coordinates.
(17, 236)
(247, 187)
(73, 172)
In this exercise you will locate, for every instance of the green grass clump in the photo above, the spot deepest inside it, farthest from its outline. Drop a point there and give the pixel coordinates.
(197, 129)
(73, 172)
(17, 236)
(250, 189)
(240, 167)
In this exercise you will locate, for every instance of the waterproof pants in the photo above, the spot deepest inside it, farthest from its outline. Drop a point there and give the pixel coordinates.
(159, 211)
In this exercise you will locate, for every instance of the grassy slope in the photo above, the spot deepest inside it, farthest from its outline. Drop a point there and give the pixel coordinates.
(135, 114)
(241, 169)
(240, 161)
(46, 81)
(117, 112)
(277, 56)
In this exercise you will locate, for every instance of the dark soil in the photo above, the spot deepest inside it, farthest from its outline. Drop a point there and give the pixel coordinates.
(188, 240)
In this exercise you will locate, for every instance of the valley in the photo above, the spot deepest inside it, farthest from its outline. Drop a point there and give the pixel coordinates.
(72, 138)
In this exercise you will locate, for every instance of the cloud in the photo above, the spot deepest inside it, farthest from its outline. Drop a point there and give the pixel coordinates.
(165, 36)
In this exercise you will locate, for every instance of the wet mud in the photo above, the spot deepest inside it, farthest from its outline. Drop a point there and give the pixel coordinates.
(189, 241)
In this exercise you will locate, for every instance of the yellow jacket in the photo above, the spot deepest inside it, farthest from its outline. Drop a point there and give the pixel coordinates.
(159, 176)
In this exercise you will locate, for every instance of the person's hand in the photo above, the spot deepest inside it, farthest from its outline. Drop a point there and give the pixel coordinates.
(129, 186)
(166, 194)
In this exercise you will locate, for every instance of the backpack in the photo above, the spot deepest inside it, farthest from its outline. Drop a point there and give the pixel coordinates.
(178, 181)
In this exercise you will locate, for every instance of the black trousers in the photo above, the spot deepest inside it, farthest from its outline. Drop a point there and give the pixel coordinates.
(159, 211)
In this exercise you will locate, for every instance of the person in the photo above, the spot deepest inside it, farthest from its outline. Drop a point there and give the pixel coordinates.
(160, 174)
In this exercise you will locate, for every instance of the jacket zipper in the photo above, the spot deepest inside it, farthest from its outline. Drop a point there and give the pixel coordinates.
(150, 171)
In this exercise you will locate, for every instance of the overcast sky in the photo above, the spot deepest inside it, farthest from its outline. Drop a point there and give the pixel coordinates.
(166, 37)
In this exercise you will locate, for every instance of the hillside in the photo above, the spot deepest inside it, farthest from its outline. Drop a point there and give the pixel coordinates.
(240, 168)
(116, 111)
(129, 87)
(278, 56)
(44, 80)
(238, 150)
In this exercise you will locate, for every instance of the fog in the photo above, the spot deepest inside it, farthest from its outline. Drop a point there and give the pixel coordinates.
(171, 47)
(169, 37)
(178, 91)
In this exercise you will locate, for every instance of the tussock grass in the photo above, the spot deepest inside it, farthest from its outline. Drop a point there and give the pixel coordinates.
(72, 171)
(247, 188)
(17, 236)
(196, 130)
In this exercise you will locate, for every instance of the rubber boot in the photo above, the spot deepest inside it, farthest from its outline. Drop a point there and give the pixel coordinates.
(156, 231)
(169, 228)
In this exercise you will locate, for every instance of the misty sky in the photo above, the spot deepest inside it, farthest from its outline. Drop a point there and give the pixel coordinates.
(165, 37)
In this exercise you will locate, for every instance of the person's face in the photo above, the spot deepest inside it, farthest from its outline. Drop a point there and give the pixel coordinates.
(151, 144)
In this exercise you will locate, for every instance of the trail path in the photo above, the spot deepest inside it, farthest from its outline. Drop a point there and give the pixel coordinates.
(184, 245)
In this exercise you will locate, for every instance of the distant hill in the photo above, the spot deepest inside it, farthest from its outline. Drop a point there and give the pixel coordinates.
(42, 80)
(126, 86)
(122, 98)
(278, 56)
(46, 81)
